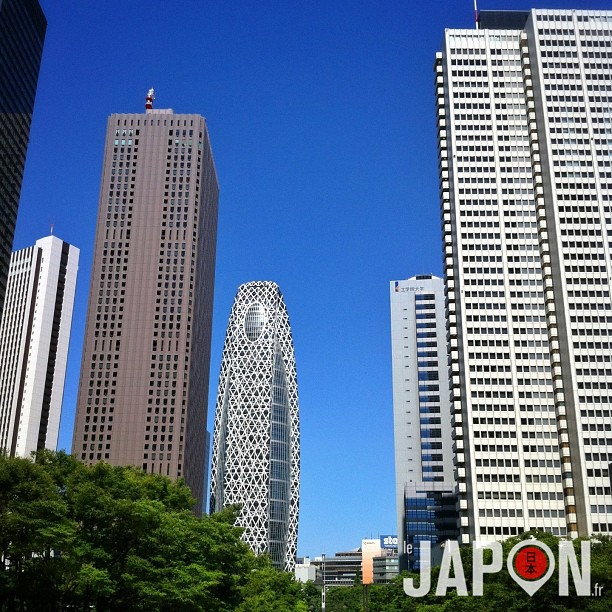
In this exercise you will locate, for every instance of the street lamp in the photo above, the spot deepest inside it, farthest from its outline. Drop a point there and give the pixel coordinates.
(323, 590)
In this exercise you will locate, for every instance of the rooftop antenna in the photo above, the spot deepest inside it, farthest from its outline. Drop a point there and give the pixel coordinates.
(52, 225)
(149, 99)
(476, 14)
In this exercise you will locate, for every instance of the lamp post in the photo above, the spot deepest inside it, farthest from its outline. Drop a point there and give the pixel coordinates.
(323, 590)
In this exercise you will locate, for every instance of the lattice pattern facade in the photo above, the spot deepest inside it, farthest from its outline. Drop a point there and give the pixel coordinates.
(256, 445)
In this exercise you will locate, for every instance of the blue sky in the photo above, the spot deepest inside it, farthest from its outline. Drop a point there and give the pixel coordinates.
(322, 123)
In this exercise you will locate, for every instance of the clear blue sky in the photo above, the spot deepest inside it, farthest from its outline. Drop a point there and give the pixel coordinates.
(322, 123)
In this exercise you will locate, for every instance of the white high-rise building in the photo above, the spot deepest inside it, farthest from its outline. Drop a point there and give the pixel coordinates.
(34, 337)
(525, 139)
(256, 443)
(421, 411)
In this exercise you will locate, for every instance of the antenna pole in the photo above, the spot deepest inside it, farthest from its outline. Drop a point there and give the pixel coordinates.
(476, 14)
(149, 99)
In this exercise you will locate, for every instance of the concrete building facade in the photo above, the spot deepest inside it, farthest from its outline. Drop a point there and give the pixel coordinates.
(34, 338)
(341, 569)
(524, 131)
(386, 568)
(143, 391)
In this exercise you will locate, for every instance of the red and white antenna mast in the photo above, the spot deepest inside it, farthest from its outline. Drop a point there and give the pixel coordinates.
(476, 14)
(150, 98)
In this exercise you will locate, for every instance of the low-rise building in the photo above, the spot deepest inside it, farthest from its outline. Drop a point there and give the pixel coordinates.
(385, 568)
(306, 570)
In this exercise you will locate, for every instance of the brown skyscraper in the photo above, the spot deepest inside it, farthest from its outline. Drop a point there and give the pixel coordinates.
(143, 391)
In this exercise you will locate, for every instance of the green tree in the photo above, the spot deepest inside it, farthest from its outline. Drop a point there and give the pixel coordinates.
(344, 599)
(269, 590)
(390, 597)
(311, 595)
(34, 523)
(112, 538)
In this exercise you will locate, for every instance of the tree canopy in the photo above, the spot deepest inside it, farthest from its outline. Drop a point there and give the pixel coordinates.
(77, 537)
(116, 538)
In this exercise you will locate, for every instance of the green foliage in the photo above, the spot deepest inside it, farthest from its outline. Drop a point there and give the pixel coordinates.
(311, 595)
(74, 537)
(268, 590)
(113, 538)
(344, 599)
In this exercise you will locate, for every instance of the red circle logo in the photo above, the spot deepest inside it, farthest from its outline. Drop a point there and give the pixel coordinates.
(530, 563)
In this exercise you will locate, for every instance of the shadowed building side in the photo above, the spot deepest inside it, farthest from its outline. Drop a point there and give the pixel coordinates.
(22, 34)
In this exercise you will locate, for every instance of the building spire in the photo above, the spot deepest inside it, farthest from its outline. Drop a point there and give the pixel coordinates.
(149, 99)
(476, 14)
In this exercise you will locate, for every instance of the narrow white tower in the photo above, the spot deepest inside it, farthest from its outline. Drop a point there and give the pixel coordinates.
(256, 444)
(34, 337)
(422, 419)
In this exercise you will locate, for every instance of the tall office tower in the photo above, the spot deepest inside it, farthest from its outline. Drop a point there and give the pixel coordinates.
(34, 337)
(256, 442)
(146, 355)
(525, 137)
(22, 33)
(424, 480)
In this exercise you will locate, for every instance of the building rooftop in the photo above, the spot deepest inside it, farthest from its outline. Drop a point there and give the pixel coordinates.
(503, 20)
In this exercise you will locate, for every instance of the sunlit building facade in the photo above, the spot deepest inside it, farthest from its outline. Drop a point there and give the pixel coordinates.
(525, 137)
(143, 391)
(421, 411)
(34, 338)
(256, 442)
